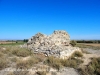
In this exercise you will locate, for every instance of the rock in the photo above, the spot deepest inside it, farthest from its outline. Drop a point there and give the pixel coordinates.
(56, 44)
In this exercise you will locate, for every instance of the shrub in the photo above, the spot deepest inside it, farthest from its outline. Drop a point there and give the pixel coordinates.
(54, 62)
(73, 42)
(65, 62)
(77, 54)
(41, 73)
(69, 63)
(73, 63)
(98, 71)
(90, 69)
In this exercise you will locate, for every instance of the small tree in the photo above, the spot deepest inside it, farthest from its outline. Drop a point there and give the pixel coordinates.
(73, 43)
(25, 40)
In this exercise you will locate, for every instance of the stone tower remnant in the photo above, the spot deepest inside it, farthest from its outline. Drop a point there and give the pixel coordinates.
(56, 44)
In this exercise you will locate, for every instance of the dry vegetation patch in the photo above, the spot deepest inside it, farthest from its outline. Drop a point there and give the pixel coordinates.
(93, 67)
(58, 63)
(26, 64)
(77, 54)
(91, 46)
(21, 52)
(3, 63)
(1, 54)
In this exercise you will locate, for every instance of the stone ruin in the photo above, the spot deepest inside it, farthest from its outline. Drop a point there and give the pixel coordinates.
(56, 44)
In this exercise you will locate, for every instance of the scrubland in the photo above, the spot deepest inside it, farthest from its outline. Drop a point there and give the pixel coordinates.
(14, 57)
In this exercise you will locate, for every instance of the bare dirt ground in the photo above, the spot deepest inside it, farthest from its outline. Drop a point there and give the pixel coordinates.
(4, 42)
(69, 71)
(91, 44)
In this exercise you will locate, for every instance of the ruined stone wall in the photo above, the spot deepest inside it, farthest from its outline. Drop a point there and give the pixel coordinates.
(56, 44)
(57, 38)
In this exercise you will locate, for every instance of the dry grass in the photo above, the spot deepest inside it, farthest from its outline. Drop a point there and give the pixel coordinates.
(7, 49)
(77, 54)
(86, 52)
(21, 52)
(92, 69)
(92, 46)
(26, 64)
(5, 42)
(53, 62)
(58, 63)
(3, 63)
(22, 64)
(14, 59)
(14, 50)
(1, 54)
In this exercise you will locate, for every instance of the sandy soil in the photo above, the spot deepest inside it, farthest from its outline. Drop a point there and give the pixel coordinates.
(90, 44)
(4, 42)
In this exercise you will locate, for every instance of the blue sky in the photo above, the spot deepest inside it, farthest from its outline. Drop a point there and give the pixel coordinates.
(21, 19)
